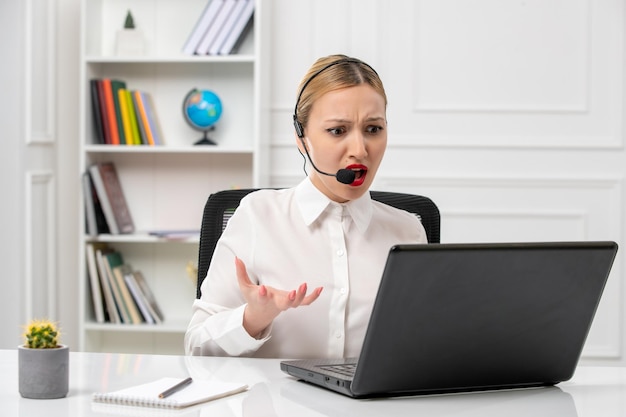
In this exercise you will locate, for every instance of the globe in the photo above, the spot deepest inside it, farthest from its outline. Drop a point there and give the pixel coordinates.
(202, 109)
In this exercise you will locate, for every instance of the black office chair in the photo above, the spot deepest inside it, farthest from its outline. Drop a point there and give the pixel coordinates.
(220, 207)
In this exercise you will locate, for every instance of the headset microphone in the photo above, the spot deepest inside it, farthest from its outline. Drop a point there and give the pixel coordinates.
(344, 176)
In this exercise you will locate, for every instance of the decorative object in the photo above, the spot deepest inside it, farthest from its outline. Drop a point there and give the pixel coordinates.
(129, 40)
(202, 109)
(43, 363)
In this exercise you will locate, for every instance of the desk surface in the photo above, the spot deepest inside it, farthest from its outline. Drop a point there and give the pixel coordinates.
(592, 391)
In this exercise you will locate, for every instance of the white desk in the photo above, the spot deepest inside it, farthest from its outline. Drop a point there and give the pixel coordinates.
(592, 392)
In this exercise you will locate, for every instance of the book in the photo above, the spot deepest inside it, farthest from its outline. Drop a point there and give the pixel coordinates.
(216, 26)
(147, 395)
(93, 203)
(98, 129)
(153, 305)
(202, 25)
(128, 301)
(91, 227)
(117, 85)
(105, 283)
(140, 299)
(111, 117)
(95, 282)
(111, 196)
(133, 118)
(143, 135)
(110, 260)
(143, 118)
(239, 30)
(152, 117)
(104, 117)
(125, 114)
(214, 49)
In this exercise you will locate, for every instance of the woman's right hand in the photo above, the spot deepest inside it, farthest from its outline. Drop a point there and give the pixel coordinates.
(266, 303)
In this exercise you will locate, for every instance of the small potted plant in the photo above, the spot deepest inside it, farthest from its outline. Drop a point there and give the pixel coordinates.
(129, 40)
(43, 363)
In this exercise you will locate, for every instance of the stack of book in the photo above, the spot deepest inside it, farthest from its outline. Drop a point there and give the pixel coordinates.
(120, 294)
(221, 28)
(122, 116)
(106, 209)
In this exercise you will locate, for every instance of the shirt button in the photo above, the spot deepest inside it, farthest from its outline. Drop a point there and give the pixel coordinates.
(338, 334)
(340, 252)
(343, 290)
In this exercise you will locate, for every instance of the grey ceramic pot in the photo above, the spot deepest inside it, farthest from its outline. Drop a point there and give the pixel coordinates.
(44, 373)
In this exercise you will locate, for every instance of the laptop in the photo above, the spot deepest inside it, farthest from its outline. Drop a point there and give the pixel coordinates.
(469, 317)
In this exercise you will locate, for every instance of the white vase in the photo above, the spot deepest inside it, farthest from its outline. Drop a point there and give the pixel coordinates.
(43, 373)
(129, 42)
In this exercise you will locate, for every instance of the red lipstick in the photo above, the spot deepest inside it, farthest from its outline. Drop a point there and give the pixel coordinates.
(360, 171)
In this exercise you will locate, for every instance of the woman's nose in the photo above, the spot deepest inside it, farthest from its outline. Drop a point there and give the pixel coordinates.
(358, 146)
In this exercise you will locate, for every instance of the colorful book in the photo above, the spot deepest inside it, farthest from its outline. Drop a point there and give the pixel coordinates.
(112, 199)
(110, 111)
(239, 30)
(133, 118)
(143, 118)
(153, 119)
(117, 85)
(98, 129)
(104, 116)
(125, 115)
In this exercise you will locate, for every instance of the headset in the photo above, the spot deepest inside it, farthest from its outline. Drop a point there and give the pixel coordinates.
(345, 176)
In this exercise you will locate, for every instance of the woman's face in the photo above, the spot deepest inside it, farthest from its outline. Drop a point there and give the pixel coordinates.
(347, 129)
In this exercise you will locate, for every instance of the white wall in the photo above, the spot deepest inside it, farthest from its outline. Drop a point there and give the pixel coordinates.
(507, 113)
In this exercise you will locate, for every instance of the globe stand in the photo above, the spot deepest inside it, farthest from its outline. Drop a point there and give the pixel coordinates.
(205, 140)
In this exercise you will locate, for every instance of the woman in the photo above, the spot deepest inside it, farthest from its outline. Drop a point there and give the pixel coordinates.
(325, 234)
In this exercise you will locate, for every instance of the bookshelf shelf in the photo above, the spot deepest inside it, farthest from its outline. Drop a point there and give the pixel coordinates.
(176, 326)
(166, 149)
(142, 238)
(173, 59)
(166, 186)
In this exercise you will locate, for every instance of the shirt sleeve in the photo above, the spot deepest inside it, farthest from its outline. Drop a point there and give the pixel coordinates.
(216, 326)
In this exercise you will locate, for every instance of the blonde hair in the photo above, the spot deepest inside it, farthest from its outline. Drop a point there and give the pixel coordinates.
(332, 73)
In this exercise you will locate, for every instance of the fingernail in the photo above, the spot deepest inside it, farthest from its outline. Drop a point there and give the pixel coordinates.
(292, 295)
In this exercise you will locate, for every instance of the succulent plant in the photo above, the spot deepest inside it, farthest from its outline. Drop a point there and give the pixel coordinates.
(41, 334)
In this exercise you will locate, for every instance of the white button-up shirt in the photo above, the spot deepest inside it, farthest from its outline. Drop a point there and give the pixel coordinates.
(287, 237)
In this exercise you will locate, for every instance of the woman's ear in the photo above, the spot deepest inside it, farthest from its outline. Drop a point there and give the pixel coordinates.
(300, 143)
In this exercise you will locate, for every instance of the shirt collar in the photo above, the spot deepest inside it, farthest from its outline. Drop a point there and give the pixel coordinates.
(312, 203)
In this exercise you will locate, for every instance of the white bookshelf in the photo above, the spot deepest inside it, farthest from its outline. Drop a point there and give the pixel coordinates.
(166, 186)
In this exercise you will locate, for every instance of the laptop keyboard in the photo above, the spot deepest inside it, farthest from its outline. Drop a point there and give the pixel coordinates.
(343, 369)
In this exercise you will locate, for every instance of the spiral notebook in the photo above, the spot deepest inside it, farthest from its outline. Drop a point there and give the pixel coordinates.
(147, 395)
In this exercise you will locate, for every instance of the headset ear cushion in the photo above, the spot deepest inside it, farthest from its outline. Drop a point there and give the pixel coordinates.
(298, 126)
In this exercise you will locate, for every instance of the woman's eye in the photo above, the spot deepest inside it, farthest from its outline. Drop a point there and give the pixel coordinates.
(336, 131)
(374, 129)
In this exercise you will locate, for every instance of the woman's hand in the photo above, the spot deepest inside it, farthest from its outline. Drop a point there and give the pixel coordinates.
(266, 303)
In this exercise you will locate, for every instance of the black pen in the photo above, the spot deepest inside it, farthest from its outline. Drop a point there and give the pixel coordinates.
(182, 384)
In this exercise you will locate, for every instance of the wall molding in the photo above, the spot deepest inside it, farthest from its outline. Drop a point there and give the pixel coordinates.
(40, 77)
(40, 276)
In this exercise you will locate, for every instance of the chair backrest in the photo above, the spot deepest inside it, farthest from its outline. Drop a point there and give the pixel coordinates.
(220, 207)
